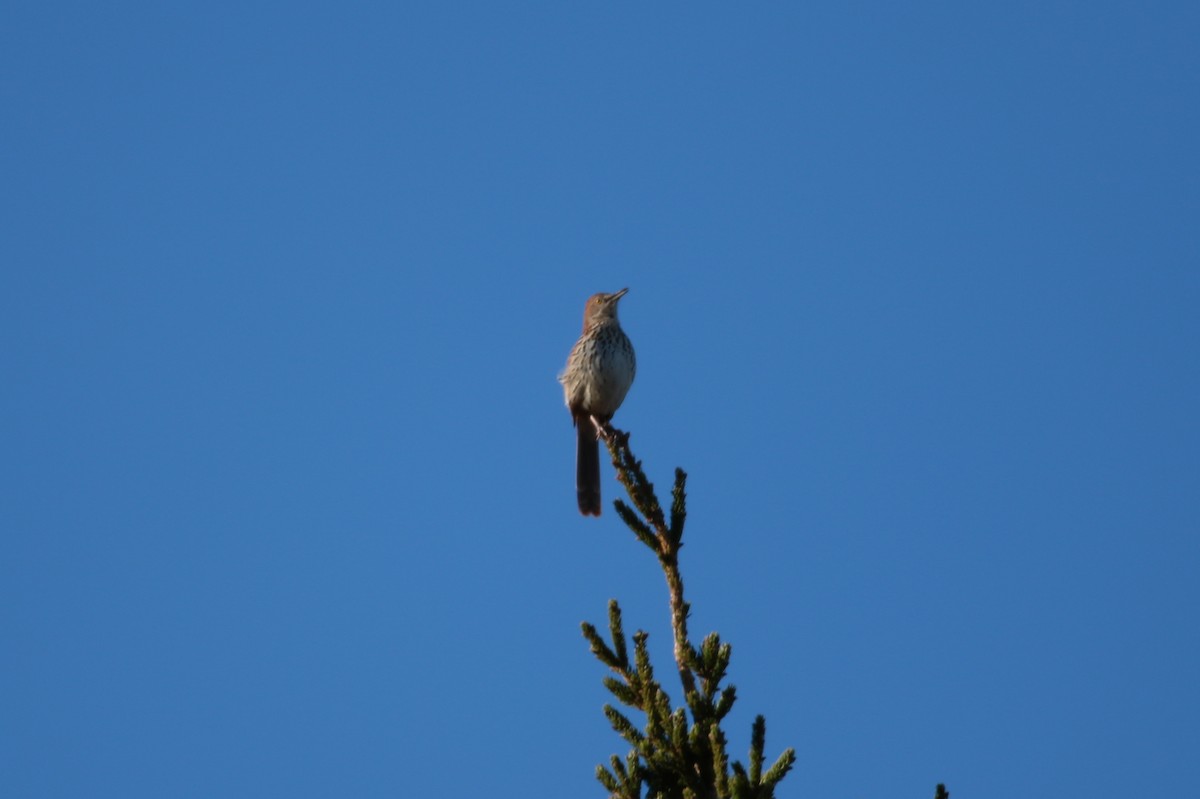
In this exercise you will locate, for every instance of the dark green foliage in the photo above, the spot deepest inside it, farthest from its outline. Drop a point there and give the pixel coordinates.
(681, 752)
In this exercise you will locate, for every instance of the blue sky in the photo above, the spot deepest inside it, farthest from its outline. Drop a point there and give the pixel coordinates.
(288, 503)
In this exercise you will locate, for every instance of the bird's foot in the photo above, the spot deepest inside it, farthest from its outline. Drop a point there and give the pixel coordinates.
(601, 428)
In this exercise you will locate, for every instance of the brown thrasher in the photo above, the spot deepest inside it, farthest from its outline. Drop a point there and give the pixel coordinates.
(598, 374)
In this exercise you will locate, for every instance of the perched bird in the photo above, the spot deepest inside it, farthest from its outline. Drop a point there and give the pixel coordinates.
(598, 374)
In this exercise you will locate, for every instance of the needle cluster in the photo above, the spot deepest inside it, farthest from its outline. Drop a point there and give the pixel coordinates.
(680, 752)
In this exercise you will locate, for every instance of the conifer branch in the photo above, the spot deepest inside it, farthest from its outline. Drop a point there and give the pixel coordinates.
(682, 752)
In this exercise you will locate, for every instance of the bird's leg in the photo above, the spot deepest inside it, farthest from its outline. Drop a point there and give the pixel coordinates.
(601, 433)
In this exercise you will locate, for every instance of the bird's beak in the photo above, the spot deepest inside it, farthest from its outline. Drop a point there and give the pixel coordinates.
(618, 295)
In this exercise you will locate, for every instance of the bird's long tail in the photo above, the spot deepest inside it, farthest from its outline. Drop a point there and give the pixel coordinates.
(587, 467)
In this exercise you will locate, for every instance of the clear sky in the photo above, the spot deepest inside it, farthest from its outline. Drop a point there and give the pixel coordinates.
(287, 502)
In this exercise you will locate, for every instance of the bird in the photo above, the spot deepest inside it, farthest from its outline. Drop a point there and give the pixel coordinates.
(598, 374)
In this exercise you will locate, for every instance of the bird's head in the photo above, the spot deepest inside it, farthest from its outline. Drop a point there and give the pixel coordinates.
(601, 308)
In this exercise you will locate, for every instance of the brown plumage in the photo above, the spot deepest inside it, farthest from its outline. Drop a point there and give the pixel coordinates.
(598, 374)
